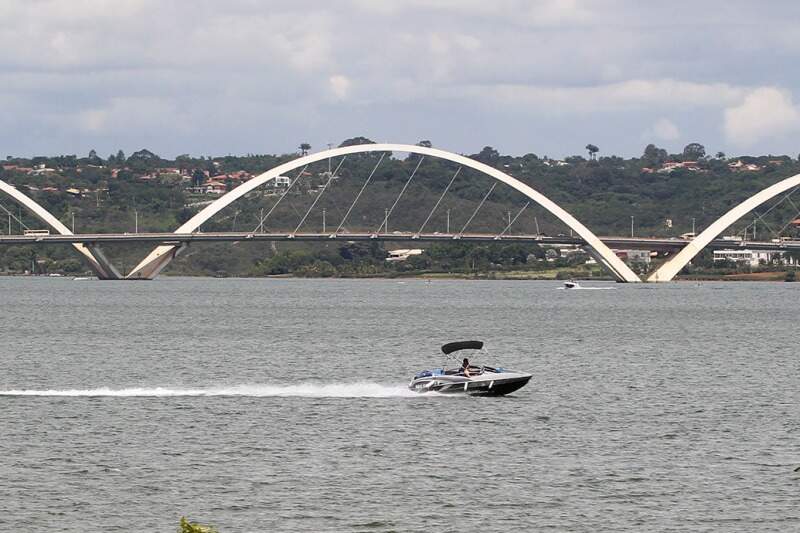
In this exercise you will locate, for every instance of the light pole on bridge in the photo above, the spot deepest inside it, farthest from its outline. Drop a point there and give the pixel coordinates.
(323, 220)
(631, 226)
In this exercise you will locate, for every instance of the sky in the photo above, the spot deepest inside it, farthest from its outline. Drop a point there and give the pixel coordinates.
(208, 77)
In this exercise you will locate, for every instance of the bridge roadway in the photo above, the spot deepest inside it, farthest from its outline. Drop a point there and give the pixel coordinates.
(641, 243)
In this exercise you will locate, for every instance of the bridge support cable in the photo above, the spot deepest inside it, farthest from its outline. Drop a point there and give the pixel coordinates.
(282, 196)
(761, 218)
(14, 217)
(389, 212)
(511, 223)
(439, 201)
(369, 178)
(796, 214)
(785, 197)
(478, 208)
(327, 184)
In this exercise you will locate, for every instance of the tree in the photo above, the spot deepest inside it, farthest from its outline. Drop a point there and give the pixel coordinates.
(654, 156)
(120, 159)
(425, 144)
(720, 155)
(304, 148)
(198, 177)
(144, 155)
(487, 155)
(694, 151)
(592, 149)
(356, 140)
(184, 161)
(94, 159)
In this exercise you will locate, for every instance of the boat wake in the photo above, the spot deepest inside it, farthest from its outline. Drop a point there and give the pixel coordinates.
(303, 390)
(585, 288)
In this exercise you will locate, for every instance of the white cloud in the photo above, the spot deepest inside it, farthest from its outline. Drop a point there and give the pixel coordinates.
(89, 69)
(622, 96)
(766, 112)
(340, 86)
(536, 13)
(665, 130)
(131, 112)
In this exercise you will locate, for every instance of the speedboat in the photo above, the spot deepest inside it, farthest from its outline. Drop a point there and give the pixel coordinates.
(571, 284)
(477, 380)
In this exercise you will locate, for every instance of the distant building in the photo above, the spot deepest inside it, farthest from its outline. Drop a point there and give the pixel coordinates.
(571, 252)
(738, 166)
(282, 181)
(403, 254)
(745, 257)
(671, 166)
(213, 187)
(634, 256)
(41, 169)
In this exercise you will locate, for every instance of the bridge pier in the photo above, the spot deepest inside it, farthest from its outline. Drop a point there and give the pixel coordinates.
(158, 260)
(620, 277)
(102, 266)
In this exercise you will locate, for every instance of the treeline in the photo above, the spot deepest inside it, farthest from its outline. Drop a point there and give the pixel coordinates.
(364, 260)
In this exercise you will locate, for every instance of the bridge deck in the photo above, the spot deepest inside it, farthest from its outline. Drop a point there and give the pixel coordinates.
(409, 237)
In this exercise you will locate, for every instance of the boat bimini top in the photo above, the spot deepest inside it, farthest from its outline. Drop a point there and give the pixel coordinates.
(451, 347)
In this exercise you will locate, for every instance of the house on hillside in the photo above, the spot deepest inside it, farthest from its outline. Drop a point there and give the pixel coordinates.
(739, 166)
(671, 166)
(40, 169)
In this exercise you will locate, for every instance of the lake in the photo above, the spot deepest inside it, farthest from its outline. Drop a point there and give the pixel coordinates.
(282, 405)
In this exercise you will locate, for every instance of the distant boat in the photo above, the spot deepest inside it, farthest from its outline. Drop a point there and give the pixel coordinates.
(81, 278)
(574, 285)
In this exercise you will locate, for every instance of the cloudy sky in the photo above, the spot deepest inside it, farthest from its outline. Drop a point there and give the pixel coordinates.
(545, 76)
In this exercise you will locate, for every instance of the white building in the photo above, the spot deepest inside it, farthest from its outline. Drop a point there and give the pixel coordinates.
(403, 254)
(746, 257)
(634, 256)
(282, 181)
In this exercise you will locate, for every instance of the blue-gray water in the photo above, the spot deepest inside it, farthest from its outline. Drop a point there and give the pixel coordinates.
(280, 405)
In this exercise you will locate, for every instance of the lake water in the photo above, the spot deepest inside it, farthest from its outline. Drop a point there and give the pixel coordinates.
(281, 405)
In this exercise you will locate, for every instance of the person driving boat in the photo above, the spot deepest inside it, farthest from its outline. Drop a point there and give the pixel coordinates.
(465, 367)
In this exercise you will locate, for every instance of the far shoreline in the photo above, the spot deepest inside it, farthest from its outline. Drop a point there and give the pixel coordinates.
(770, 276)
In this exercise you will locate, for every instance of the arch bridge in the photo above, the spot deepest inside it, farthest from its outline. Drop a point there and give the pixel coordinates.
(163, 254)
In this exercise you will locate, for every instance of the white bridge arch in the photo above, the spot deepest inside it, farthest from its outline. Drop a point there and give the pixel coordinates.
(103, 268)
(670, 269)
(151, 265)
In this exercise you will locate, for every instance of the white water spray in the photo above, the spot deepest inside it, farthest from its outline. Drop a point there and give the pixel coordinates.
(304, 390)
